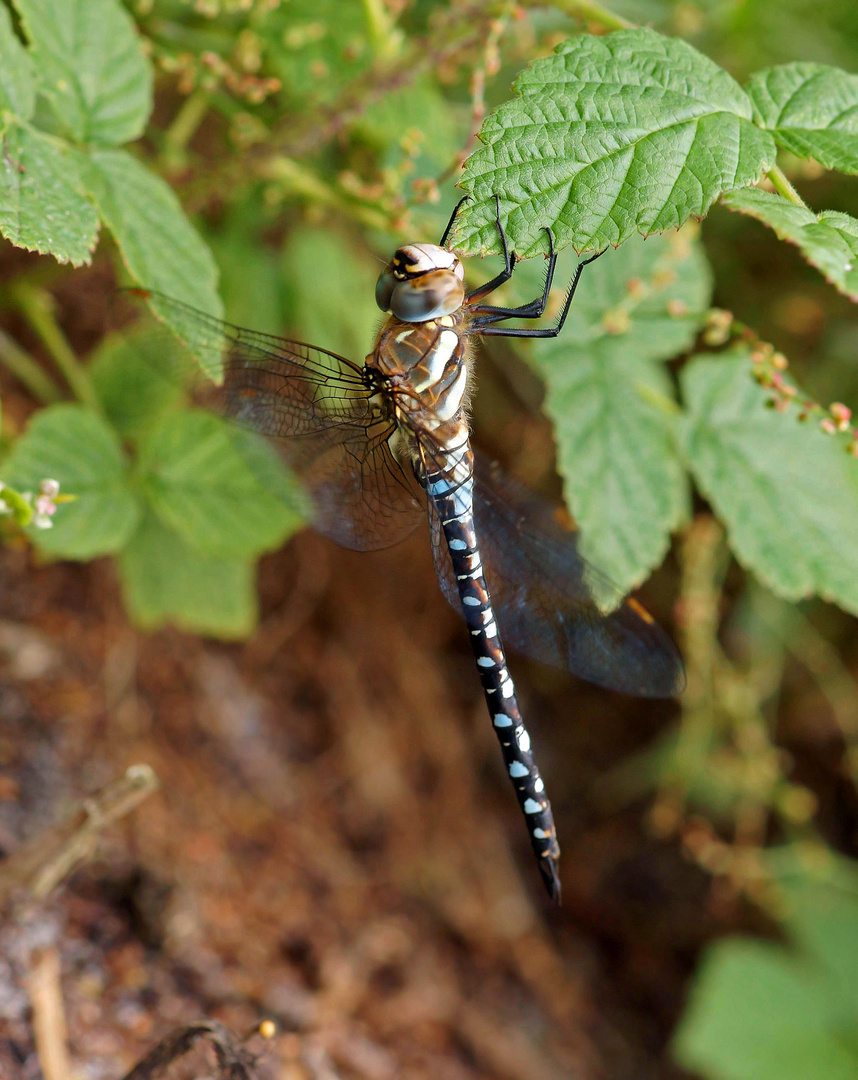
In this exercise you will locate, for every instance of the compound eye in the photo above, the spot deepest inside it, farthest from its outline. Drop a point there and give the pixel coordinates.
(427, 297)
(384, 289)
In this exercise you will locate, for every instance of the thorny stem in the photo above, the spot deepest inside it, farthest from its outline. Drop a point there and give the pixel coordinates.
(27, 371)
(35, 305)
(784, 187)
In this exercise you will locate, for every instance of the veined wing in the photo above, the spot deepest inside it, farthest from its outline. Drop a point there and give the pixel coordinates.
(541, 597)
(326, 421)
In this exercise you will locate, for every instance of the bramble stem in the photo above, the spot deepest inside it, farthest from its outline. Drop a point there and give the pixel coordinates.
(784, 187)
(35, 305)
(27, 371)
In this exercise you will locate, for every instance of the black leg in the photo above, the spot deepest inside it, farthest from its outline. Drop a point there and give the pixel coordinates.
(489, 314)
(452, 220)
(508, 259)
(549, 331)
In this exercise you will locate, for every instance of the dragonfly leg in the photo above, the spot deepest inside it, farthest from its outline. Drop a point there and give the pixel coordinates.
(442, 242)
(508, 268)
(486, 330)
(488, 314)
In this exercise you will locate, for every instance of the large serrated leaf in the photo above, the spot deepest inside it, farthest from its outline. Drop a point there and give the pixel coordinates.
(758, 1013)
(166, 580)
(203, 483)
(623, 477)
(92, 68)
(787, 492)
(812, 111)
(42, 204)
(158, 244)
(829, 241)
(17, 86)
(71, 444)
(631, 132)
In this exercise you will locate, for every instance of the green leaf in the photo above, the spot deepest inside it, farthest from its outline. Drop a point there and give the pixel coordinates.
(166, 580)
(204, 484)
(126, 374)
(158, 244)
(616, 449)
(821, 916)
(630, 132)
(17, 87)
(758, 1013)
(92, 68)
(42, 205)
(787, 492)
(812, 111)
(829, 241)
(71, 444)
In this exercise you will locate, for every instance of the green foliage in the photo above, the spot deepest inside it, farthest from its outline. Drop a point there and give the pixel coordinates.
(200, 485)
(606, 390)
(85, 60)
(90, 68)
(73, 445)
(167, 580)
(812, 111)
(761, 1011)
(632, 132)
(786, 491)
(43, 206)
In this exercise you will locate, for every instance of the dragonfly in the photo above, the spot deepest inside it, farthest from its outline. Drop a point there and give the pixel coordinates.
(384, 446)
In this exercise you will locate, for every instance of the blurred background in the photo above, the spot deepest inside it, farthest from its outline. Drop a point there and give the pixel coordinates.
(334, 844)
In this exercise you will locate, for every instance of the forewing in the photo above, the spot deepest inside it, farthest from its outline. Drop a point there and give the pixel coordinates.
(544, 606)
(318, 411)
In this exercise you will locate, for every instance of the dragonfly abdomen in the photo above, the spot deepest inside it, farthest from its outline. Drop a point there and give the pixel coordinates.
(454, 504)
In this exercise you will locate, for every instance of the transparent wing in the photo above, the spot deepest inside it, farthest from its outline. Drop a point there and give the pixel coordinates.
(543, 604)
(316, 407)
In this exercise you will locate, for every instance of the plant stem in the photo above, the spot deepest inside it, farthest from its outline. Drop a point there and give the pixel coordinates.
(784, 187)
(590, 12)
(297, 179)
(27, 371)
(35, 305)
(382, 28)
(187, 119)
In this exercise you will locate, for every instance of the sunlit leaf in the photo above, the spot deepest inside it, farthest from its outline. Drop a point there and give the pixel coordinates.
(17, 86)
(42, 204)
(812, 111)
(616, 446)
(158, 244)
(71, 444)
(91, 67)
(787, 492)
(630, 132)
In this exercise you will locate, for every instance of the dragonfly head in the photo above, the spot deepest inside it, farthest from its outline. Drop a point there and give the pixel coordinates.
(421, 282)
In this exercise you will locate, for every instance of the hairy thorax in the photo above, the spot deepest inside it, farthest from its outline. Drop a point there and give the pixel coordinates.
(427, 370)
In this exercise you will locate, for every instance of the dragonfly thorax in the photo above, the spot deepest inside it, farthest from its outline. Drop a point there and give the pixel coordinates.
(421, 282)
